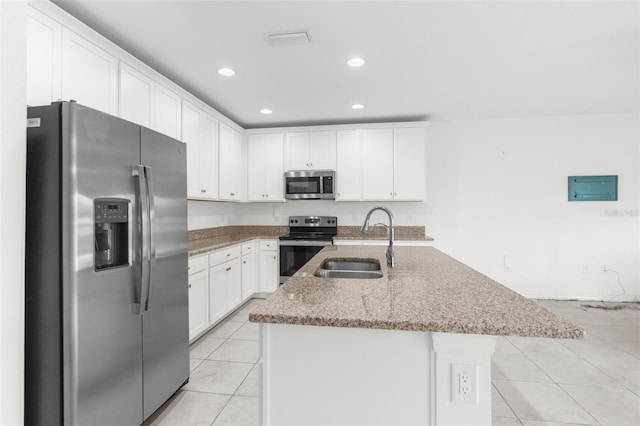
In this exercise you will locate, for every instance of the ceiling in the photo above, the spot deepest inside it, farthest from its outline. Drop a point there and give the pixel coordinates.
(431, 60)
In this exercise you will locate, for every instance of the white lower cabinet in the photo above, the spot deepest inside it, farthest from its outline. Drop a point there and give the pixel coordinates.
(198, 295)
(249, 276)
(268, 266)
(225, 287)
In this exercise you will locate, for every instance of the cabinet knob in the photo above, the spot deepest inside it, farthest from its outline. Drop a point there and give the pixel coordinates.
(229, 268)
(228, 254)
(274, 257)
(232, 194)
(391, 193)
(203, 190)
(244, 261)
(189, 285)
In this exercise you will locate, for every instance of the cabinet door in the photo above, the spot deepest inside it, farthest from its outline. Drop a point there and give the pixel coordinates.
(410, 163)
(191, 136)
(322, 150)
(377, 164)
(256, 174)
(218, 299)
(249, 284)
(89, 74)
(349, 166)
(198, 303)
(296, 150)
(268, 271)
(166, 112)
(234, 284)
(44, 54)
(274, 167)
(231, 170)
(135, 96)
(208, 155)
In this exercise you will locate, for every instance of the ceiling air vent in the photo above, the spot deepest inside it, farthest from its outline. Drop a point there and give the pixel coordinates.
(289, 38)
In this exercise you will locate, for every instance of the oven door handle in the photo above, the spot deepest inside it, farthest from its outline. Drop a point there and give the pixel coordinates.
(303, 243)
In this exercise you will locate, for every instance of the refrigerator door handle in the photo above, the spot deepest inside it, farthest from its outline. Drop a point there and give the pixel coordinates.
(143, 232)
(152, 245)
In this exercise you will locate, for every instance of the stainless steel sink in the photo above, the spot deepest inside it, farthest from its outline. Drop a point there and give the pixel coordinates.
(355, 269)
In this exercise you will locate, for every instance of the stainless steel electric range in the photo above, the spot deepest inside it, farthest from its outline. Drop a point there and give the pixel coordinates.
(307, 236)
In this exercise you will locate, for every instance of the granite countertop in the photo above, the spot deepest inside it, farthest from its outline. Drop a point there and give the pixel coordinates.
(426, 291)
(204, 240)
(400, 233)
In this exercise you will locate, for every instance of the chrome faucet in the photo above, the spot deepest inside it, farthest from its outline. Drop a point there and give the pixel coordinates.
(365, 229)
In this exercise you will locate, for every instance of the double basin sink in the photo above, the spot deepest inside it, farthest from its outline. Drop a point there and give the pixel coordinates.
(350, 268)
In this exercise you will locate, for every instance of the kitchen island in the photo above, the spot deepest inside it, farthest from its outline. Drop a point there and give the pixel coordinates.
(412, 347)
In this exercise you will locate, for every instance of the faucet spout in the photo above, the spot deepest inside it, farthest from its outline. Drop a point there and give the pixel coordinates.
(365, 229)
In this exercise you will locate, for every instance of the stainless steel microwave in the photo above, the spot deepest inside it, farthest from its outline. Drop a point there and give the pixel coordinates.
(309, 185)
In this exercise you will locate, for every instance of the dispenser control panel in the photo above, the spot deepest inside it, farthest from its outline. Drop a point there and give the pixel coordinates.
(111, 211)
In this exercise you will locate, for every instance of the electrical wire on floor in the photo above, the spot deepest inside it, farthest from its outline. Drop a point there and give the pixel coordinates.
(619, 283)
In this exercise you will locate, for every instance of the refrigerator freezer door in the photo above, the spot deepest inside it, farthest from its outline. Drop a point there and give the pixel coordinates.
(102, 328)
(166, 320)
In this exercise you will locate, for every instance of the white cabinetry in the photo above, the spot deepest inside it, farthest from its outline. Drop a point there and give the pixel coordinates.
(265, 169)
(166, 114)
(225, 287)
(232, 171)
(349, 165)
(377, 164)
(135, 96)
(44, 59)
(89, 74)
(393, 164)
(268, 266)
(409, 163)
(310, 150)
(249, 277)
(200, 133)
(198, 295)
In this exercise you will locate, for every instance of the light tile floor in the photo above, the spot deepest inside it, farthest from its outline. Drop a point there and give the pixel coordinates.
(536, 382)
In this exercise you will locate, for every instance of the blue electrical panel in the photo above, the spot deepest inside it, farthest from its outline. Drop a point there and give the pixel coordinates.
(593, 188)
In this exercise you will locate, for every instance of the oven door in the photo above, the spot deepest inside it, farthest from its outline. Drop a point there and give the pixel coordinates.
(295, 253)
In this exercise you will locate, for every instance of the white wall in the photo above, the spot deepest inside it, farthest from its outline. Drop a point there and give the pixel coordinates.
(206, 214)
(499, 187)
(12, 201)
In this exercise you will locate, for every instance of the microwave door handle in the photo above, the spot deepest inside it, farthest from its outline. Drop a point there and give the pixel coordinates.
(142, 235)
(151, 212)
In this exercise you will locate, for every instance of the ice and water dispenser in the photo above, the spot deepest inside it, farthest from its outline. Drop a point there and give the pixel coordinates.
(111, 233)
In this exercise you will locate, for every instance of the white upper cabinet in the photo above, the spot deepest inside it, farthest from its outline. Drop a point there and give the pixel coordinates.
(135, 96)
(349, 165)
(200, 133)
(166, 112)
(409, 163)
(44, 59)
(310, 150)
(377, 164)
(231, 170)
(89, 74)
(265, 168)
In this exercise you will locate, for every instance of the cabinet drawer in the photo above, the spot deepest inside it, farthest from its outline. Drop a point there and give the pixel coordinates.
(220, 256)
(198, 263)
(266, 245)
(248, 248)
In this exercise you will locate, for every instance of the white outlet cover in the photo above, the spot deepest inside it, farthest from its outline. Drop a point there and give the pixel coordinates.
(464, 383)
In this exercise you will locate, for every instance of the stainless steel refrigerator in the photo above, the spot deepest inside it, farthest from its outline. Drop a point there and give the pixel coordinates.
(106, 268)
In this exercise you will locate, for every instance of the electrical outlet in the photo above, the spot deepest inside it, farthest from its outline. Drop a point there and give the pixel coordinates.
(464, 383)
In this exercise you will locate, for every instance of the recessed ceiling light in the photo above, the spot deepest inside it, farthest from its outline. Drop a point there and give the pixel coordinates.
(266, 111)
(227, 72)
(357, 106)
(355, 62)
